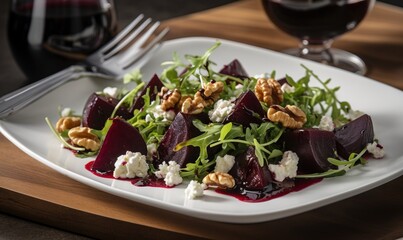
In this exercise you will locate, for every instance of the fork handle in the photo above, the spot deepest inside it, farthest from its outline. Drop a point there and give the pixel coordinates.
(20, 98)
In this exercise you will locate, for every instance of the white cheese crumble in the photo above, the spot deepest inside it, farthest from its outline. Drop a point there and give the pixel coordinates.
(194, 189)
(66, 112)
(158, 113)
(170, 173)
(111, 92)
(222, 108)
(376, 151)
(326, 123)
(131, 165)
(262, 75)
(151, 150)
(238, 90)
(354, 114)
(287, 88)
(287, 168)
(224, 164)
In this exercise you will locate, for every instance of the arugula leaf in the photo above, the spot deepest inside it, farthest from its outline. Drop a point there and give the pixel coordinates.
(343, 166)
(61, 139)
(128, 98)
(225, 130)
(134, 76)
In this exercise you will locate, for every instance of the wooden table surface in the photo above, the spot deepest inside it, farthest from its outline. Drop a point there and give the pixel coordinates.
(33, 191)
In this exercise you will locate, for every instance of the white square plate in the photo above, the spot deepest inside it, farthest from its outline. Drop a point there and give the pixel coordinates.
(27, 130)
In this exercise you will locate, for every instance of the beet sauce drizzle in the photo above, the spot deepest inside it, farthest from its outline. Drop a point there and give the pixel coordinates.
(272, 191)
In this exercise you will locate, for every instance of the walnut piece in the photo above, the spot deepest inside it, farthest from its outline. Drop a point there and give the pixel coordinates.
(203, 98)
(170, 98)
(66, 123)
(82, 136)
(291, 116)
(213, 90)
(191, 106)
(268, 91)
(219, 179)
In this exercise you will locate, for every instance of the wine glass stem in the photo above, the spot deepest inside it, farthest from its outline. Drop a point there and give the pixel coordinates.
(319, 52)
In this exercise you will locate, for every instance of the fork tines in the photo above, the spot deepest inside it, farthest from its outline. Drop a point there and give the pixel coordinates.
(134, 41)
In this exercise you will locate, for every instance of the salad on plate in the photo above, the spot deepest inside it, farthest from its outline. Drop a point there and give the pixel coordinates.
(251, 137)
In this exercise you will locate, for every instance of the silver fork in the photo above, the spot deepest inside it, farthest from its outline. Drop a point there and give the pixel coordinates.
(128, 50)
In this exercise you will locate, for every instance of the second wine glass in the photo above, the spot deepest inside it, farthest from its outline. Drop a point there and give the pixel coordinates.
(316, 23)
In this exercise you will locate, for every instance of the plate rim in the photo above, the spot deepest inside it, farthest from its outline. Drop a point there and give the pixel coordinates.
(239, 217)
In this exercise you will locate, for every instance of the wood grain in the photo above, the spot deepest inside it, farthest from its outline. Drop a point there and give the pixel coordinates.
(31, 190)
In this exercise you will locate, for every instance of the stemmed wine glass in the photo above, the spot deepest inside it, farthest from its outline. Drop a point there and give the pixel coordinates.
(46, 36)
(316, 23)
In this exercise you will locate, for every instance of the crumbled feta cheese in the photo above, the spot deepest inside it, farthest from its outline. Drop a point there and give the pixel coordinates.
(262, 75)
(162, 170)
(158, 113)
(195, 189)
(151, 150)
(131, 165)
(111, 92)
(173, 178)
(354, 114)
(238, 90)
(224, 164)
(326, 123)
(287, 168)
(66, 112)
(222, 108)
(376, 151)
(287, 88)
(170, 173)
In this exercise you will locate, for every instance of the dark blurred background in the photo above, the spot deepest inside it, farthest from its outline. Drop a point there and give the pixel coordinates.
(11, 78)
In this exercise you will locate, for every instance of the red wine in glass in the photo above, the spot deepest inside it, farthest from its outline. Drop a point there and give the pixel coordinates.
(46, 36)
(316, 23)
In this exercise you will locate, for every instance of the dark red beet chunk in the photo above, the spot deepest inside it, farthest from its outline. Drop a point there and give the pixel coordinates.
(234, 69)
(248, 173)
(354, 136)
(99, 108)
(120, 138)
(155, 86)
(247, 110)
(313, 147)
(180, 130)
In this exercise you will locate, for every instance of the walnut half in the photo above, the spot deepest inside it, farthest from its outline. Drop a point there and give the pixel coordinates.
(203, 98)
(66, 123)
(219, 179)
(291, 116)
(268, 91)
(170, 98)
(82, 136)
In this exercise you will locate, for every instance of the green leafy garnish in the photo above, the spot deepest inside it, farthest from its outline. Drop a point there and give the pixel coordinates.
(134, 76)
(316, 101)
(343, 166)
(61, 139)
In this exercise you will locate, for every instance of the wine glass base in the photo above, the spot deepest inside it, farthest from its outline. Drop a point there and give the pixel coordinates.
(341, 59)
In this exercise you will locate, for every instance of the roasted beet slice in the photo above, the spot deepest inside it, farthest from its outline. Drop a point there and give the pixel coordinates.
(154, 85)
(99, 108)
(234, 69)
(120, 138)
(247, 110)
(313, 147)
(354, 136)
(248, 173)
(180, 130)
